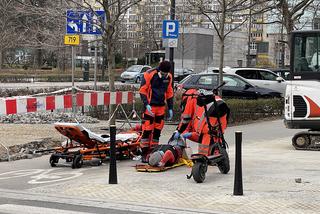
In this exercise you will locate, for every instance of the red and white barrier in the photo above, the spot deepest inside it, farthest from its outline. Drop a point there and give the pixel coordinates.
(20, 105)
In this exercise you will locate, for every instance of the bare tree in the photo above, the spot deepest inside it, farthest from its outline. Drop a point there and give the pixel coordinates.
(40, 25)
(314, 11)
(41, 22)
(9, 34)
(114, 10)
(225, 16)
(289, 13)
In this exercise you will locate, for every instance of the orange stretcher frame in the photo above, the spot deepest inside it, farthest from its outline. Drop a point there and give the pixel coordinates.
(84, 145)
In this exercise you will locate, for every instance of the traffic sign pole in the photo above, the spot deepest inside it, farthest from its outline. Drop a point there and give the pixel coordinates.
(171, 51)
(96, 62)
(72, 78)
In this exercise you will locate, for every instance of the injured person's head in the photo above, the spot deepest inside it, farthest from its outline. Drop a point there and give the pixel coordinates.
(155, 158)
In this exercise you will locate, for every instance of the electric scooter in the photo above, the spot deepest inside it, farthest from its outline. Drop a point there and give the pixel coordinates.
(221, 158)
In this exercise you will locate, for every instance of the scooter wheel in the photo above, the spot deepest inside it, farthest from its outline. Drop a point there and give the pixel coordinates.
(224, 165)
(199, 170)
(77, 162)
(53, 160)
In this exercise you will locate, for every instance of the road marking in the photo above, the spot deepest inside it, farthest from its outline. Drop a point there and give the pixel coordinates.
(43, 176)
(15, 208)
(49, 177)
(19, 173)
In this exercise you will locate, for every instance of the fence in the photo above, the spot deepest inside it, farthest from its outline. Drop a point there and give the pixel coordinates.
(26, 104)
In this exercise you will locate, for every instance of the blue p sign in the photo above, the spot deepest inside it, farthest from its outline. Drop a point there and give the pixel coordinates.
(170, 29)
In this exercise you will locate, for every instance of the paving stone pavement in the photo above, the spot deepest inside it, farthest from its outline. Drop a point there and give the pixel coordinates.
(270, 170)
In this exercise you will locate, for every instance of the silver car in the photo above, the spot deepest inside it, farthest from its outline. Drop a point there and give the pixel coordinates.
(134, 73)
(260, 77)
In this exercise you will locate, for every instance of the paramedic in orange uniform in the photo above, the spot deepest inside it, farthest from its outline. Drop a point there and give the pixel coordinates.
(187, 107)
(155, 91)
(193, 124)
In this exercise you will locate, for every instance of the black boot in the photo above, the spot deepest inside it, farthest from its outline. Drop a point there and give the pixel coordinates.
(145, 155)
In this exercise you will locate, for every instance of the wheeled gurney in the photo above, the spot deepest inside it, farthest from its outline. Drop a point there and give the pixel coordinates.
(84, 145)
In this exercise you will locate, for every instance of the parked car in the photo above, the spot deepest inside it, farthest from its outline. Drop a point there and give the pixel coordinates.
(260, 77)
(282, 72)
(180, 73)
(211, 69)
(235, 87)
(133, 73)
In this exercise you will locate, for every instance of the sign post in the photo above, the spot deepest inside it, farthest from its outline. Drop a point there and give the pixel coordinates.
(95, 63)
(88, 23)
(170, 33)
(72, 40)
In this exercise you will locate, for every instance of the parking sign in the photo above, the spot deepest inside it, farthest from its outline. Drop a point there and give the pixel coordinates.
(170, 29)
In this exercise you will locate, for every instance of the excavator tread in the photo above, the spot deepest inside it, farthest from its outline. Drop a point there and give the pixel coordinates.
(306, 140)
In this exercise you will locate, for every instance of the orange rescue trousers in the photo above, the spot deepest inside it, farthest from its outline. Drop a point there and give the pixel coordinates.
(151, 127)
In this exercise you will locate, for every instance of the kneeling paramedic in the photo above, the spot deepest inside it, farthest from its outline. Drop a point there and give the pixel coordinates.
(196, 127)
(155, 91)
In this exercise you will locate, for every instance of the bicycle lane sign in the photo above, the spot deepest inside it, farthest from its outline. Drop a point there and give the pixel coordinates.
(42, 176)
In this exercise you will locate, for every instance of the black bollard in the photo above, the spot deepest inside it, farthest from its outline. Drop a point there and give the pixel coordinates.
(113, 163)
(237, 188)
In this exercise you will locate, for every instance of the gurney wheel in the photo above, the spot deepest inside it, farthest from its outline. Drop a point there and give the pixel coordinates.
(77, 162)
(53, 160)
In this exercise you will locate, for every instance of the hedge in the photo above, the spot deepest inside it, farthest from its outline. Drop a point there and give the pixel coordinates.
(241, 110)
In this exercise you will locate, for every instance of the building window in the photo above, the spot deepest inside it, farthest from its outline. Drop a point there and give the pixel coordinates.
(316, 23)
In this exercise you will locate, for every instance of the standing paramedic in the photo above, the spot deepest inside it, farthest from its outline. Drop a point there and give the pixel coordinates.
(155, 91)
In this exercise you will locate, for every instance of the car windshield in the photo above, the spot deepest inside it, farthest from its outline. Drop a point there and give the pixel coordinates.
(234, 81)
(185, 79)
(134, 68)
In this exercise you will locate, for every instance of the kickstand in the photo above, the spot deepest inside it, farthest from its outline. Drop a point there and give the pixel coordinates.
(189, 176)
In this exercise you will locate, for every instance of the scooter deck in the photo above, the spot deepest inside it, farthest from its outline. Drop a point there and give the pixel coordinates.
(148, 168)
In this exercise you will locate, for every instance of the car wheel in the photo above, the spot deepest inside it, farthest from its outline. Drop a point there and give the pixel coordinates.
(138, 80)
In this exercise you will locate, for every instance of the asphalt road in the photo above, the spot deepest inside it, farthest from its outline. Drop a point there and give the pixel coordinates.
(20, 179)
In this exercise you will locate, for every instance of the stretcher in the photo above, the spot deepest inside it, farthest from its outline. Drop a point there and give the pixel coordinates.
(148, 168)
(85, 145)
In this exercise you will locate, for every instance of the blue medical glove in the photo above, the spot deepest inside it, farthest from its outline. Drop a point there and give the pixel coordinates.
(187, 135)
(170, 114)
(176, 135)
(149, 109)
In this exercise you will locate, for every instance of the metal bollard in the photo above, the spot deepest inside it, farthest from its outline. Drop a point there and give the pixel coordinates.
(113, 164)
(237, 188)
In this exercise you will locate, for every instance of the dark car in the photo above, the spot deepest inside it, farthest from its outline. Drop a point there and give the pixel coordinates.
(180, 73)
(235, 87)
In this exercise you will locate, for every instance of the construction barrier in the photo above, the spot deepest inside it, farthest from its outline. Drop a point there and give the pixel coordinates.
(26, 104)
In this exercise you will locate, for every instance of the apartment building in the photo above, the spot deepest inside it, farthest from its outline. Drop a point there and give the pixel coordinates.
(142, 30)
